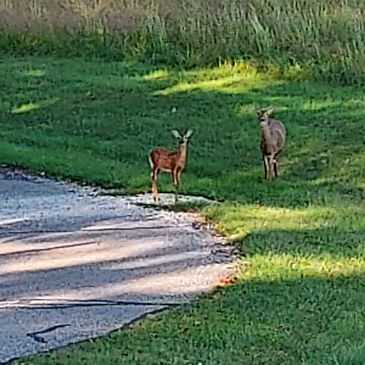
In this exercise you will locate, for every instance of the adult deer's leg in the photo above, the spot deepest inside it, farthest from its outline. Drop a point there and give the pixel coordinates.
(276, 168)
(271, 165)
(276, 164)
(266, 167)
(154, 175)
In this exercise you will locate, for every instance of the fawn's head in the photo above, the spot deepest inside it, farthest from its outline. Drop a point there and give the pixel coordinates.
(182, 138)
(264, 115)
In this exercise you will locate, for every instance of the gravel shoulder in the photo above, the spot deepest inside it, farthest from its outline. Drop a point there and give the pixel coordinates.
(76, 264)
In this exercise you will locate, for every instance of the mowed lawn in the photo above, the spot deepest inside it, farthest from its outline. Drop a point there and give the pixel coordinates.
(300, 293)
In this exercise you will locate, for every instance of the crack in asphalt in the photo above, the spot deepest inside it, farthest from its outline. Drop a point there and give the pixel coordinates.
(88, 303)
(36, 334)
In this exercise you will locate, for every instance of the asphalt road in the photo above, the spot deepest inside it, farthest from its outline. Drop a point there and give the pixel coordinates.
(75, 264)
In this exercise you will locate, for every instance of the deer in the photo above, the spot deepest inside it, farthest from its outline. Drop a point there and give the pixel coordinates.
(272, 140)
(162, 159)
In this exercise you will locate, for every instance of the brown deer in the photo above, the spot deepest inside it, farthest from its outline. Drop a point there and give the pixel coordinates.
(272, 140)
(170, 161)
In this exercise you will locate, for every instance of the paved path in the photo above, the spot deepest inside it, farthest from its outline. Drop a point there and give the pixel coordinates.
(75, 264)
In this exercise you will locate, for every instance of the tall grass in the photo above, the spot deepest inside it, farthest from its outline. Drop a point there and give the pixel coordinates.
(323, 39)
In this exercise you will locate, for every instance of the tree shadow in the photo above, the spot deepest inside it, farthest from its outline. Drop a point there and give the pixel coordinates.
(120, 260)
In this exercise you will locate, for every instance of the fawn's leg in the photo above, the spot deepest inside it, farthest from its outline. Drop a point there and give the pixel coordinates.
(154, 175)
(179, 171)
(175, 180)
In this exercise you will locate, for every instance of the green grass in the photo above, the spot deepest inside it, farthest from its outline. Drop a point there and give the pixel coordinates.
(300, 295)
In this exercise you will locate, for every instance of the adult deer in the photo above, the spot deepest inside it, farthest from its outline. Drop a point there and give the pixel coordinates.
(162, 159)
(272, 140)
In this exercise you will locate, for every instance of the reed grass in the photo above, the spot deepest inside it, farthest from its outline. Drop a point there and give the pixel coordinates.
(323, 39)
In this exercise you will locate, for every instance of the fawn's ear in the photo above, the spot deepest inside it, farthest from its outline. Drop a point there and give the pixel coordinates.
(188, 133)
(175, 133)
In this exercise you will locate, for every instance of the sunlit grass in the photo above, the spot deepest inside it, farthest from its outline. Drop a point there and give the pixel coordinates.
(293, 243)
(24, 108)
(290, 267)
(225, 78)
(157, 75)
(244, 219)
(35, 73)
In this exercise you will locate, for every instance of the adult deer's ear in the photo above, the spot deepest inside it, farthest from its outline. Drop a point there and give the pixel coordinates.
(269, 110)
